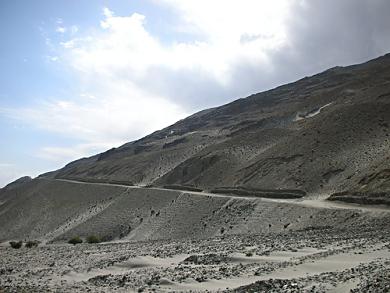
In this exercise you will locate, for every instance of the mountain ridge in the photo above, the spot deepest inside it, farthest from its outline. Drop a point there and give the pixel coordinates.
(256, 165)
(249, 140)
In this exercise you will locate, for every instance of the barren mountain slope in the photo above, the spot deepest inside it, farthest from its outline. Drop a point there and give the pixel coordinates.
(325, 134)
(55, 211)
(322, 134)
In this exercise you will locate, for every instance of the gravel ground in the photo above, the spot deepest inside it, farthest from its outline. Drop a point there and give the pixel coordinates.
(252, 263)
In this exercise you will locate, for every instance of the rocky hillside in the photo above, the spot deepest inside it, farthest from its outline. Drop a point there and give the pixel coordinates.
(55, 211)
(322, 134)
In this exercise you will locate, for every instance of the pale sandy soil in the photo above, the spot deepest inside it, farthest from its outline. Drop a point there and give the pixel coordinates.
(314, 261)
(198, 242)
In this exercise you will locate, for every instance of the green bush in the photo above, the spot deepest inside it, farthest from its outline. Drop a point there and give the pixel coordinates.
(16, 244)
(31, 244)
(93, 239)
(75, 240)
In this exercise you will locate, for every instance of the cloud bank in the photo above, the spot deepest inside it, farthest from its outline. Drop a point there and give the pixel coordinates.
(132, 82)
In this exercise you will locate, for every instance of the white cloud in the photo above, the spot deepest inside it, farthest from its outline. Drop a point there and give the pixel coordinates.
(116, 113)
(61, 29)
(133, 84)
(223, 25)
(62, 155)
(230, 33)
(226, 21)
(107, 12)
(68, 44)
(124, 45)
(74, 29)
(127, 45)
(52, 58)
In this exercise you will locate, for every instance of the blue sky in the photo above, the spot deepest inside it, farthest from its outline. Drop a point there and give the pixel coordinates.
(79, 77)
(30, 74)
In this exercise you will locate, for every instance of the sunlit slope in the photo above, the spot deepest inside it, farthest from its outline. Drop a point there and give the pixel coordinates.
(56, 211)
(321, 134)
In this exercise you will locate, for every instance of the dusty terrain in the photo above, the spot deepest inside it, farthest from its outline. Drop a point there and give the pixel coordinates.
(284, 191)
(56, 210)
(313, 259)
(174, 241)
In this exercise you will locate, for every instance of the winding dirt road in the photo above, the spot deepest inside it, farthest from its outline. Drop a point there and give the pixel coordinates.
(317, 202)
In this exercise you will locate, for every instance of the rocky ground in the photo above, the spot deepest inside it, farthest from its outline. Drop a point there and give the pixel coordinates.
(310, 260)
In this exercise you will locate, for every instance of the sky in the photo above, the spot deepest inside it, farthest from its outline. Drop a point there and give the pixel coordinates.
(78, 77)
